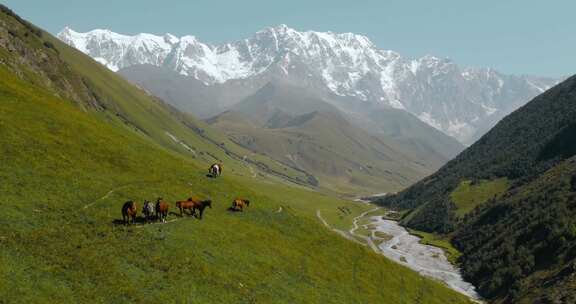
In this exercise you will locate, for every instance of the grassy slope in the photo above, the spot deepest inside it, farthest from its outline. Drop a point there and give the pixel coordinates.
(468, 196)
(57, 159)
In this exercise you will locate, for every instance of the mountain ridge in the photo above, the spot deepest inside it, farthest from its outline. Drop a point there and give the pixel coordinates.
(461, 102)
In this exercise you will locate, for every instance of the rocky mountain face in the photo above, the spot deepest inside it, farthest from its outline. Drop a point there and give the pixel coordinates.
(461, 102)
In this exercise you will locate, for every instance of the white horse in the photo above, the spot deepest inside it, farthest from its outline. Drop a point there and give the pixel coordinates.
(215, 170)
(148, 211)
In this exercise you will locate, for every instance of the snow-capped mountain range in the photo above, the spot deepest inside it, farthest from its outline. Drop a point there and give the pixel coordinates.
(461, 102)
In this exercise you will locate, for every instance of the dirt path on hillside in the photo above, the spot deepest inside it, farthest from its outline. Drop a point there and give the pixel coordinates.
(105, 196)
(340, 232)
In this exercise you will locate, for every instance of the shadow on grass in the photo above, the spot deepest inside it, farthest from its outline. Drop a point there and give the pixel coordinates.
(232, 209)
(140, 220)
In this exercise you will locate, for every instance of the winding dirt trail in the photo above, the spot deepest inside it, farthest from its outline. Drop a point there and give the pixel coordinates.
(340, 232)
(105, 196)
(355, 227)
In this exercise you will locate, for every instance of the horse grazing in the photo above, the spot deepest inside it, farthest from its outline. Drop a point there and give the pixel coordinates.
(215, 170)
(240, 204)
(148, 211)
(129, 211)
(186, 205)
(196, 204)
(162, 210)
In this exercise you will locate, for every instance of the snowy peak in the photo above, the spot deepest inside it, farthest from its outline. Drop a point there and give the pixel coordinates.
(117, 51)
(461, 102)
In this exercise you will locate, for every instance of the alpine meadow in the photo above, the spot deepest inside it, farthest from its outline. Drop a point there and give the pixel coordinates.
(281, 166)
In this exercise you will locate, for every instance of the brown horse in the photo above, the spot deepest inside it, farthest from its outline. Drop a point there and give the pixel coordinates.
(186, 205)
(129, 211)
(162, 209)
(240, 204)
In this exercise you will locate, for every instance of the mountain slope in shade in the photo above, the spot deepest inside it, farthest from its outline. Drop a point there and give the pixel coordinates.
(461, 102)
(509, 201)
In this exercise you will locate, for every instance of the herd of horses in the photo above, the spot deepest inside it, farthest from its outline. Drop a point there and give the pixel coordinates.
(159, 210)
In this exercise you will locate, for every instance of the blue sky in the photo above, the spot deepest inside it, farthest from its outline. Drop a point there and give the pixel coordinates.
(513, 36)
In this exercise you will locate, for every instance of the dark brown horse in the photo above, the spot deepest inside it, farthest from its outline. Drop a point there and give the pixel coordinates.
(186, 205)
(129, 212)
(162, 209)
(200, 206)
(240, 204)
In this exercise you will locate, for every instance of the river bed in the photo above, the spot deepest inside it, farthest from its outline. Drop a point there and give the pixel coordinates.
(404, 248)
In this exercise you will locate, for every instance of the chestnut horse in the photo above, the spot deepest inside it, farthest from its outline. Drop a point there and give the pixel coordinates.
(186, 205)
(129, 211)
(162, 209)
(240, 204)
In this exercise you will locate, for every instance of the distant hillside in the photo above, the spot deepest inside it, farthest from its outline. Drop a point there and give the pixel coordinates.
(508, 202)
(297, 128)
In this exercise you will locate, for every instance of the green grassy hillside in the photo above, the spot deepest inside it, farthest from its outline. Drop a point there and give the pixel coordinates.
(68, 161)
(45, 61)
(468, 195)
